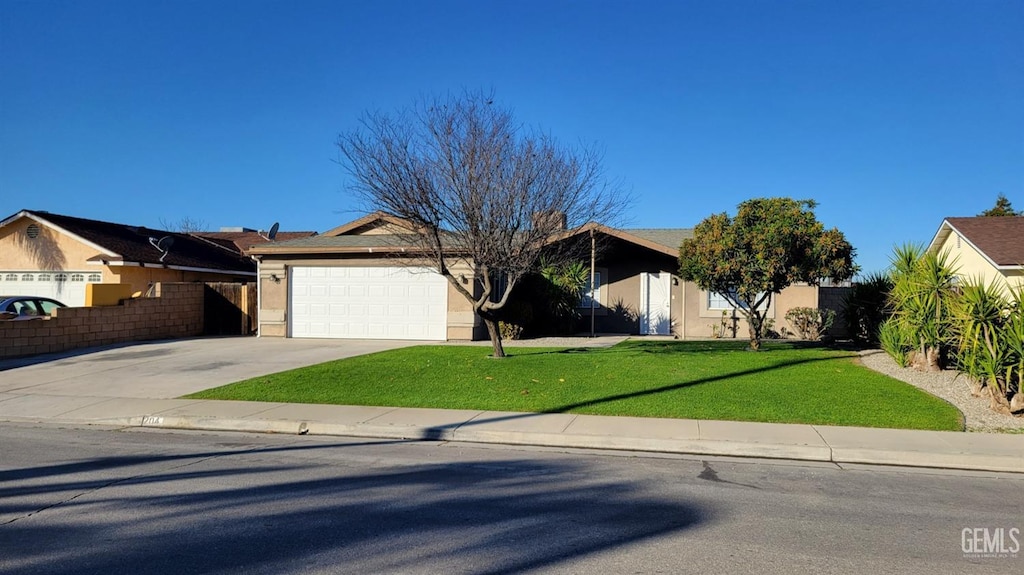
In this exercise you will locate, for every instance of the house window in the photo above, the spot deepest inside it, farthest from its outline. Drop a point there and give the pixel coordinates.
(11, 277)
(44, 277)
(718, 301)
(27, 277)
(78, 277)
(585, 299)
(60, 277)
(94, 278)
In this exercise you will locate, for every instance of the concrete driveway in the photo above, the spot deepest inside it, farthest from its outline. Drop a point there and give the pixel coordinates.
(167, 369)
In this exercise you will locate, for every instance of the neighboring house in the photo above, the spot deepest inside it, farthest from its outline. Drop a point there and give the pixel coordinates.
(361, 280)
(991, 248)
(56, 256)
(241, 239)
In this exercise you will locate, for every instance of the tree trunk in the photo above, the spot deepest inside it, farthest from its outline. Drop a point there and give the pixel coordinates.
(495, 333)
(998, 401)
(753, 327)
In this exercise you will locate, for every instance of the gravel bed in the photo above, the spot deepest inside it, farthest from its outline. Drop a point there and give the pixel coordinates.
(948, 385)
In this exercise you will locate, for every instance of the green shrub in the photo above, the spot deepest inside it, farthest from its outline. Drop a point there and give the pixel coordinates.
(895, 342)
(810, 322)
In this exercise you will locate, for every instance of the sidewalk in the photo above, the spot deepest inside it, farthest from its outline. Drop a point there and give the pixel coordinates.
(936, 449)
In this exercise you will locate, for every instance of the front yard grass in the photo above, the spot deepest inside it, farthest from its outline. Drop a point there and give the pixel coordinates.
(785, 383)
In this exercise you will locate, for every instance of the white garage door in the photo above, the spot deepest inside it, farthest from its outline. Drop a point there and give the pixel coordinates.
(67, 287)
(372, 303)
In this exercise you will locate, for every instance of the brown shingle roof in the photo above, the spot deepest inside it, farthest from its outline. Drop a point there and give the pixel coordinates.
(1001, 238)
(131, 244)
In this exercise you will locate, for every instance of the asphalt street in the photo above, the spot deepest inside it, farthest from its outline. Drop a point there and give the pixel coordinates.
(95, 500)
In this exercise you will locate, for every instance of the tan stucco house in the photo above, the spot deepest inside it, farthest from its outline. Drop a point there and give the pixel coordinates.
(56, 256)
(363, 280)
(986, 247)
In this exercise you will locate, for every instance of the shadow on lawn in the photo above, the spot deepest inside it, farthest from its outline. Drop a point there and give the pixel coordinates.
(441, 432)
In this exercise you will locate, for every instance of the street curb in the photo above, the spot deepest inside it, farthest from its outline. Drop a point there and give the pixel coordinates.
(824, 453)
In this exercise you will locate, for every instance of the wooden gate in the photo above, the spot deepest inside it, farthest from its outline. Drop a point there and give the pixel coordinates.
(229, 309)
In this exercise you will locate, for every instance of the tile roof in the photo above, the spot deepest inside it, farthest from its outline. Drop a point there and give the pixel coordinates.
(1001, 238)
(131, 244)
(241, 241)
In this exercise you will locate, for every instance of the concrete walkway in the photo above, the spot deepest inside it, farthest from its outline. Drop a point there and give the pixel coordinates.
(66, 391)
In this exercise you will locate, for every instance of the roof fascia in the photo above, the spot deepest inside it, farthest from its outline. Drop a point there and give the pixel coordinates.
(617, 233)
(367, 219)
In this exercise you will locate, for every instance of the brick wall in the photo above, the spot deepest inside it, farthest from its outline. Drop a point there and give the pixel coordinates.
(174, 311)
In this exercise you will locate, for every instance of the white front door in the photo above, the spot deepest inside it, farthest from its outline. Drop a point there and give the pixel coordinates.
(368, 302)
(656, 303)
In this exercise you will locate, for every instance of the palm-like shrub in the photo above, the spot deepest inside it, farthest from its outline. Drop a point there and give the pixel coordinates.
(865, 307)
(980, 315)
(895, 342)
(1013, 336)
(921, 299)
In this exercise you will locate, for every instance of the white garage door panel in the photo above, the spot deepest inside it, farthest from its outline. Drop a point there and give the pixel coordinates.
(67, 287)
(373, 303)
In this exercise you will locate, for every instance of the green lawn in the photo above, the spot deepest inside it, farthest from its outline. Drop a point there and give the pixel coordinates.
(785, 383)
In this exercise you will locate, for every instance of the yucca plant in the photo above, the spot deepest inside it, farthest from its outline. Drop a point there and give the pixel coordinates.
(920, 298)
(1013, 332)
(980, 312)
(894, 342)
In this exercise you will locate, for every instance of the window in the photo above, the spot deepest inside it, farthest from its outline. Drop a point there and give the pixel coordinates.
(78, 277)
(47, 306)
(11, 277)
(27, 277)
(95, 278)
(718, 301)
(60, 277)
(45, 277)
(585, 299)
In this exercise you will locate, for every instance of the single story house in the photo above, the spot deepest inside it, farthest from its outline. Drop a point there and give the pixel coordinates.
(56, 256)
(362, 280)
(986, 247)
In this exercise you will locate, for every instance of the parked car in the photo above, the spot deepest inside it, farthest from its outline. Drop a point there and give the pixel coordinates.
(21, 307)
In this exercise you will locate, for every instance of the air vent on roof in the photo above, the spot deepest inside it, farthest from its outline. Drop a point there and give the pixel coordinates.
(32, 231)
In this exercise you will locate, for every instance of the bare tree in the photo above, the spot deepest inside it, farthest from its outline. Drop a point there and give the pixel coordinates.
(478, 189)
(185, 225)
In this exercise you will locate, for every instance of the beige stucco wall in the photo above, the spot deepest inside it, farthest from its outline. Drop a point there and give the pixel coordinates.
(700, 319)
(141, 279)
(971, 265)
(273, 284)
(49, 251)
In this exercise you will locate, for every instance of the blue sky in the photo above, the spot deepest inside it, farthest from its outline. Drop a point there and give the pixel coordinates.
(890, 114)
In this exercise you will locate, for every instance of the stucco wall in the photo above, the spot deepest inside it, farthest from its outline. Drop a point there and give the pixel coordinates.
(140, 279)
(619, 302)
(700, 319)
(175, 311)
(49, 251)
(970, 264)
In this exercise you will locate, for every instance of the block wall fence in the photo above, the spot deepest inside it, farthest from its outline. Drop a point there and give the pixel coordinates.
(174, 311)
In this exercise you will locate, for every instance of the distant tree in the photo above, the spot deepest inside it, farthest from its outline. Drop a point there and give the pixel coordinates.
(477, 189)
(1002, 208)
(185, 225)
(769, 245)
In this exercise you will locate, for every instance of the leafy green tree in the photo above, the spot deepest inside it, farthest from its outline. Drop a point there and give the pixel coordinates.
(1002, 208)
(769, 245)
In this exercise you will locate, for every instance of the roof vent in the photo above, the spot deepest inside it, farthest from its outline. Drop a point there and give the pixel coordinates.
(32, 231)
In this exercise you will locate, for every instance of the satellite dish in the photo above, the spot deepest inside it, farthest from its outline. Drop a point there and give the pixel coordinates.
(273, 231)
(163, 244)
